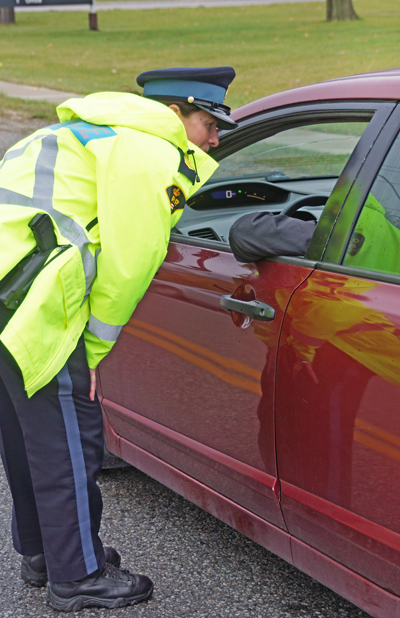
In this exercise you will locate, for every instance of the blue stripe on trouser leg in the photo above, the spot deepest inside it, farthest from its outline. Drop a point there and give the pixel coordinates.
(78, 466)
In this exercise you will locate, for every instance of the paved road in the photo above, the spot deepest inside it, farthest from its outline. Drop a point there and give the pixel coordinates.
(139, 5)
(201, 568)
(35, 93)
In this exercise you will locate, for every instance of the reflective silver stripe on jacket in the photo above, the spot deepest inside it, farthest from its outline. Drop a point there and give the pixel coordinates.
(43, 199)
(104, 331)
(17, 152)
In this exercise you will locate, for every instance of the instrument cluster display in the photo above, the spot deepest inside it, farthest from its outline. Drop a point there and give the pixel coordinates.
(238, 194)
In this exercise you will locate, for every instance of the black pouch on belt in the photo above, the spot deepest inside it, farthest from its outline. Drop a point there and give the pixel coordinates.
(15, 285)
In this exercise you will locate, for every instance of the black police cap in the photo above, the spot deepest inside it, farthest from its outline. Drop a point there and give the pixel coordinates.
(205, 88)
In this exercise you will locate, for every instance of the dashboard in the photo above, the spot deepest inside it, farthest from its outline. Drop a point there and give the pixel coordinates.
(210, 213)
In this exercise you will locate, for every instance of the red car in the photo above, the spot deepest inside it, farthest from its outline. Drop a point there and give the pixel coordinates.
(268, 393)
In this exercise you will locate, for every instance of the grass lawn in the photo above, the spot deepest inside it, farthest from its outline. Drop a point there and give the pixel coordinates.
(271, 47)
(33, 109)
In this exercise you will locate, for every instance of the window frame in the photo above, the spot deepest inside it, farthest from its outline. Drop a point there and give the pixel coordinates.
(260, 126)
(294, 116)
(356, 193)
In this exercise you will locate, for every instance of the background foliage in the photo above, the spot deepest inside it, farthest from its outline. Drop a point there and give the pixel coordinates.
(272, 47)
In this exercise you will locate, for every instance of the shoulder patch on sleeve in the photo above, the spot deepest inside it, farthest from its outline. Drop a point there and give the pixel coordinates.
(85, 131)
(176, 197)
(356, 242)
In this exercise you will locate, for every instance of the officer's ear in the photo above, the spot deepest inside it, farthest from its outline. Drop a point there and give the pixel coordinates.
(176, 109)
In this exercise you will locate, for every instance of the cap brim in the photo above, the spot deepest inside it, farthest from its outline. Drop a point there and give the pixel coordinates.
(224, 120)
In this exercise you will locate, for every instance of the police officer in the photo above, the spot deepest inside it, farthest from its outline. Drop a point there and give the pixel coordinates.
(112, 178)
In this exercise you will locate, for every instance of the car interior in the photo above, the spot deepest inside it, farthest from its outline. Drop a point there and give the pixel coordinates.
(291, 172)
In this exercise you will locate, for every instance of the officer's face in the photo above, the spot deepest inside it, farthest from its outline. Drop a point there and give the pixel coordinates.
(201, 128)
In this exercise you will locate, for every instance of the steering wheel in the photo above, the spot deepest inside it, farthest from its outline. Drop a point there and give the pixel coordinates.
(316, 199)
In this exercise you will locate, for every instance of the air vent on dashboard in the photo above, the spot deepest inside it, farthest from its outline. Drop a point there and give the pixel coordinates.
(206, 232)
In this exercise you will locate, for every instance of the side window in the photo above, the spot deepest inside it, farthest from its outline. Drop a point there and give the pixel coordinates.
(316, 150)
(375, 242)
(271, 173)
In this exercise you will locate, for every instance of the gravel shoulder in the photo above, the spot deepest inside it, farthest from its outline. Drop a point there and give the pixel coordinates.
(201, 568)
(14, 126)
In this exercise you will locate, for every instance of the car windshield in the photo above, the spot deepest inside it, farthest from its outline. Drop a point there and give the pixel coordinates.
(318, 150)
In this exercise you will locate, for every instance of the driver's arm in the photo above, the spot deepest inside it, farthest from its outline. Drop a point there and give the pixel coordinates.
(258, 235)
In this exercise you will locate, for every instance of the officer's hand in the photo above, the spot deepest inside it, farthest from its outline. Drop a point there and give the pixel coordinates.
(92, 384)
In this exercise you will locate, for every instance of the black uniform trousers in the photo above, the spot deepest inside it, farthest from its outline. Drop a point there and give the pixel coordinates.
(52, 450)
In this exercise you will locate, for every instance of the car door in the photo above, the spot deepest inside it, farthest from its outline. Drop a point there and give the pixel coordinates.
(338, 382)
(192, 383)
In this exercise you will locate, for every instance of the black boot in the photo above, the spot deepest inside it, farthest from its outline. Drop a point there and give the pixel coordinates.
(108, 587)
(34, 570)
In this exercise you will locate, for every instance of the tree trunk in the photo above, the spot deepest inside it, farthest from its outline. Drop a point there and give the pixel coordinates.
(340, 10)
(7, 15)
(93, 25)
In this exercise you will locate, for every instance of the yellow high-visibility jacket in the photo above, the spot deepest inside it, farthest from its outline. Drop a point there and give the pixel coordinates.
(114, 176)
(375, 243)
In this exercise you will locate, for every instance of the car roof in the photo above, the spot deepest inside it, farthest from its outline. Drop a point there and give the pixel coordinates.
(377, 85)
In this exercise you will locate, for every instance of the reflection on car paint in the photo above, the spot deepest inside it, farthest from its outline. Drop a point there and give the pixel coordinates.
(224, 368)
(365, 334)
(377, 439)
(338, 437)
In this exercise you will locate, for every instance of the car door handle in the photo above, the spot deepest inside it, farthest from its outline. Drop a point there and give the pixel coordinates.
(253, 308)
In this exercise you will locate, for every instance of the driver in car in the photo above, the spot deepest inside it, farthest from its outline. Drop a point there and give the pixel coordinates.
(258, 235)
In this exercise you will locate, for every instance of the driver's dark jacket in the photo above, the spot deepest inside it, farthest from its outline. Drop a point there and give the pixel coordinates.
(258, 235)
